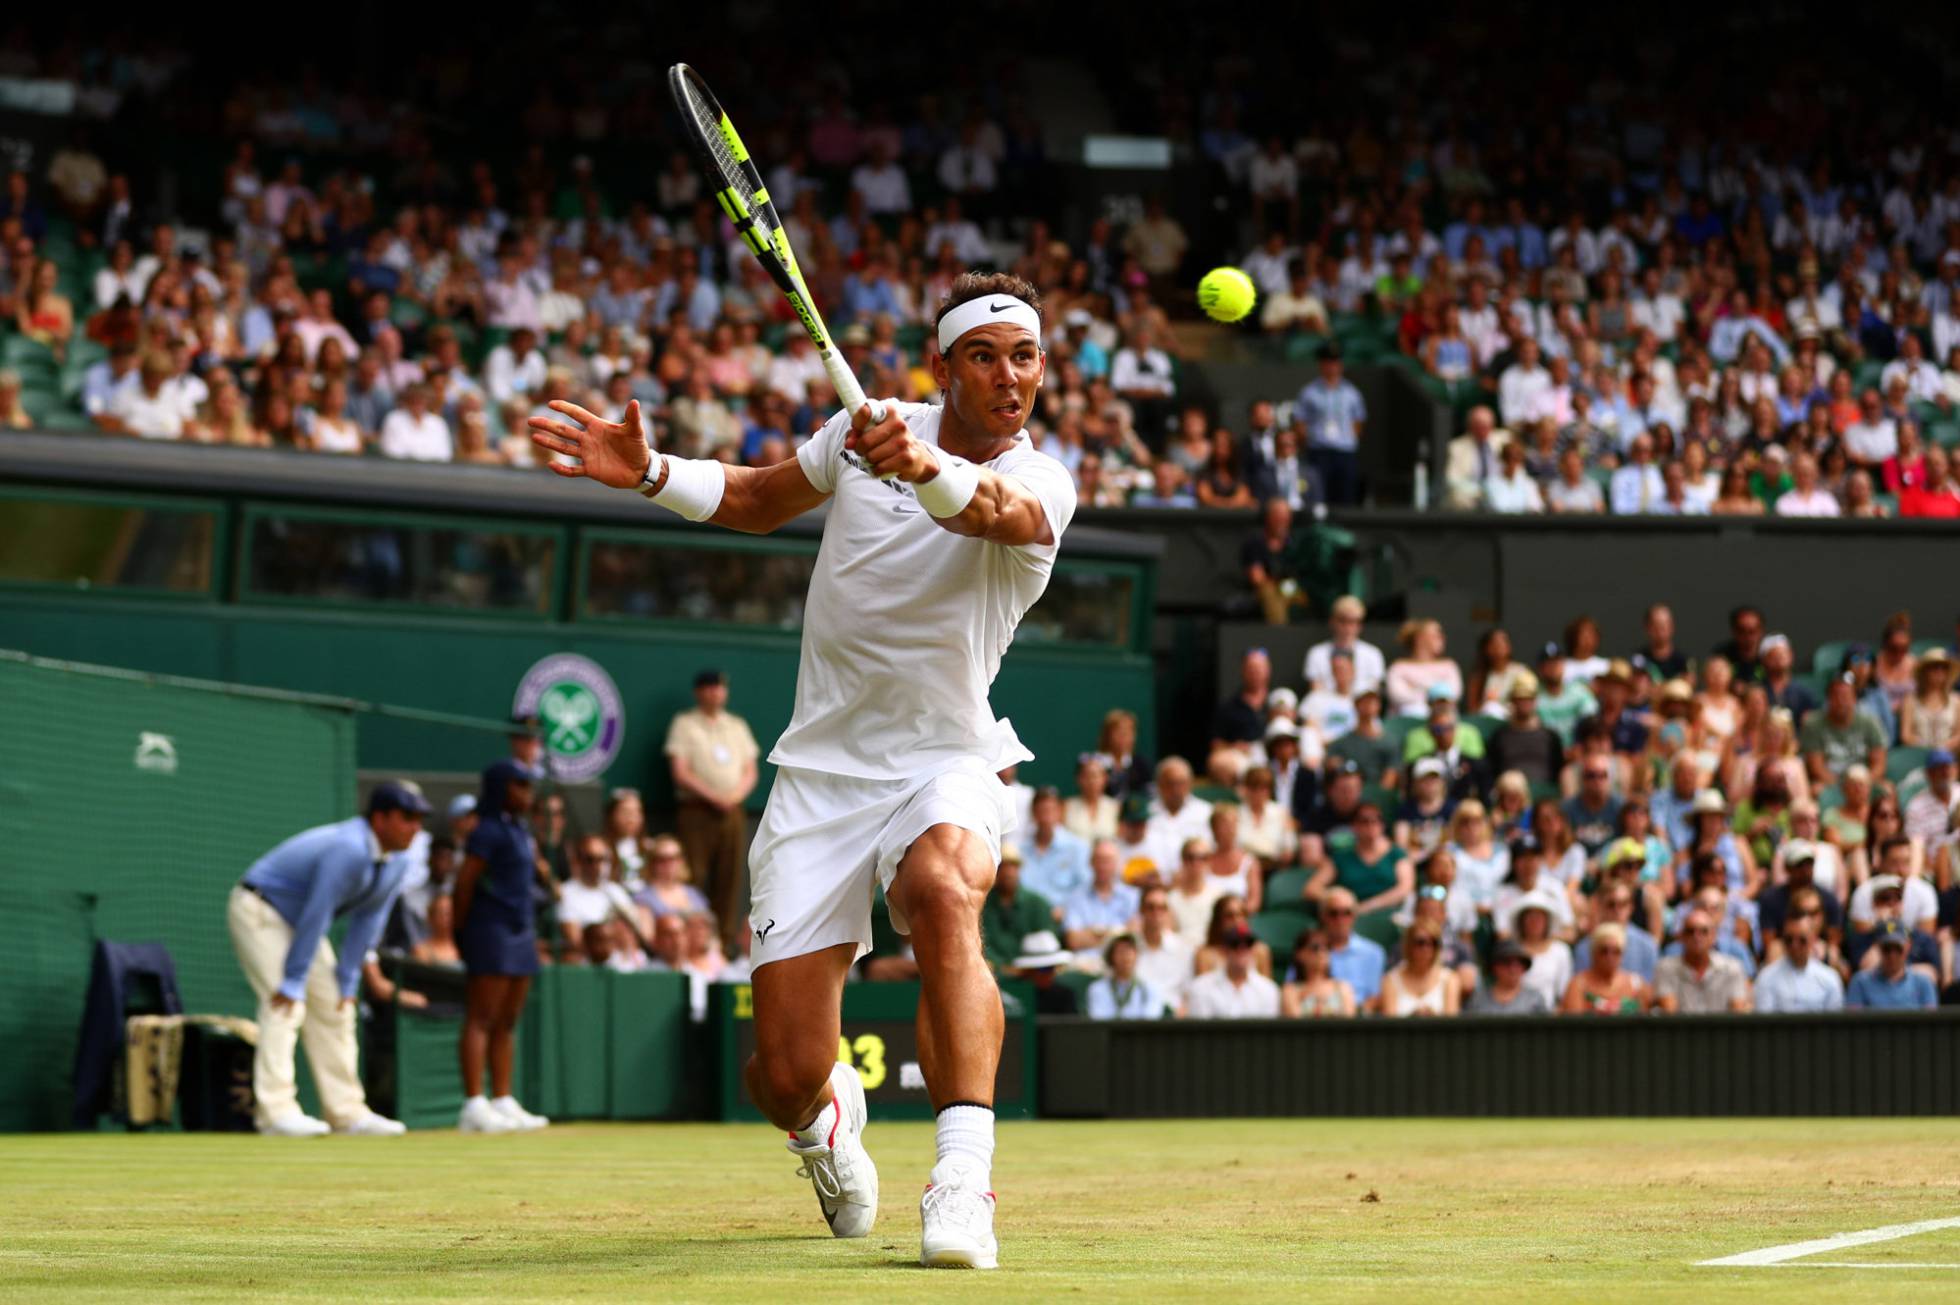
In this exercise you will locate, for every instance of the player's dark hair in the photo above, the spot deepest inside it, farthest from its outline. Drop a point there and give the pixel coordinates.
(976, 285)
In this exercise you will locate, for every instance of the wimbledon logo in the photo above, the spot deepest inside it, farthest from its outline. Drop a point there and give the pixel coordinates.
(577, 706)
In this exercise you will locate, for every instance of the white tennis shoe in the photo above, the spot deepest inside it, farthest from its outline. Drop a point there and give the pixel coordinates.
(296, 1124)
(370, 1124)
(479, 1116)
(839, 1168)
(958, 1214)
(526, 1121)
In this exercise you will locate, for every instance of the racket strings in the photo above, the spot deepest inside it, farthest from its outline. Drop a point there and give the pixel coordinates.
(708, 120)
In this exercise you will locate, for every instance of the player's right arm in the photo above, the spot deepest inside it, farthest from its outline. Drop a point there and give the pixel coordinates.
(754, 500)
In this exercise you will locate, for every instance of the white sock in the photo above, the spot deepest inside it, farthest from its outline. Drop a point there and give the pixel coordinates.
(968, 1132)
(817, 1131)
(478, 1099)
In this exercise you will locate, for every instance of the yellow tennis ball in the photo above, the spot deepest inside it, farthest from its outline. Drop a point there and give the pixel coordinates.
(1226, 294)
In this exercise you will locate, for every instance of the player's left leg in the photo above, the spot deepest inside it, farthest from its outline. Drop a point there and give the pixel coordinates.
(941, 883)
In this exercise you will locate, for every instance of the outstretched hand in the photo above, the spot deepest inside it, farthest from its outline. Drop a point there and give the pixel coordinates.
(613, 453)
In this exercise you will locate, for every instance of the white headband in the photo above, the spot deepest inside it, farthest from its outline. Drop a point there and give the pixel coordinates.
(982, 311)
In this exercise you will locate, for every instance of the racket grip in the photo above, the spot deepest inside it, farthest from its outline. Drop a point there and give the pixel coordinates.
(878, 410)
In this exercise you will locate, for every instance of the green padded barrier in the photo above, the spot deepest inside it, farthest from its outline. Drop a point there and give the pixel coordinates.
(646, 1024)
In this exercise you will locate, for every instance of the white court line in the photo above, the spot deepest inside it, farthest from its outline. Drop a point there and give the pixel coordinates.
(1849, 1264)
(1796, 1250)
(1845, 1264)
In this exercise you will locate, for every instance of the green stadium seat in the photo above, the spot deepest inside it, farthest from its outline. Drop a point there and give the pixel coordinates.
(1078, 981)
(1946, 434)
(1279, 930)
(1398, 729)
(1287, 889)
(1902, 761)
(1544, 788)
(1830, 799)
(21, 353)
(1381, 797)
(1865, 375)
(66, 419)
(1815, 681)
(1830, 656)
(1487, 724)
(1380, 927)
(1923, 646)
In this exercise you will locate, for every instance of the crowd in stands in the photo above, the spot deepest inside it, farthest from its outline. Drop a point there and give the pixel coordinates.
(1632, 311)
(1554, 828)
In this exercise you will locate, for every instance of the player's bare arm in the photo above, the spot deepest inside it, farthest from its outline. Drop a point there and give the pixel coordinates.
(754, 500)
(989, 366)
(1002, 509)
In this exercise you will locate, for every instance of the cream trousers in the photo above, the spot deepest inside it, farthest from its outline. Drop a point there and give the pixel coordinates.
(261, 937)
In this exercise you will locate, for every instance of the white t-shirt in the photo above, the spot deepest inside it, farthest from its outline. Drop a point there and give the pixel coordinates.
(1551, 973)
(423, 440)
(1166, 969)
(1369, 666)
(579, 905)
(906, 622)
(158, 417)
(1921, 903)
(1214, 996)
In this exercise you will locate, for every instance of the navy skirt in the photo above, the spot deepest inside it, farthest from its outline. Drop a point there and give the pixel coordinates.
(491, 947)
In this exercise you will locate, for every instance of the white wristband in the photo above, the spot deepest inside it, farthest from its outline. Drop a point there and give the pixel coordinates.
(693, 489)
(948, 493)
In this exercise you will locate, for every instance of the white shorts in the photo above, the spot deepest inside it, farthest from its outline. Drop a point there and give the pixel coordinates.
(828, 843)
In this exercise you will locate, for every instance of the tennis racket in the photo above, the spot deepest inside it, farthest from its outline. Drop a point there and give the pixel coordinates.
(743, 197)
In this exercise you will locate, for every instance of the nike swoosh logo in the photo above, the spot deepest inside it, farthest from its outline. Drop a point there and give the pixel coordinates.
(998, 308)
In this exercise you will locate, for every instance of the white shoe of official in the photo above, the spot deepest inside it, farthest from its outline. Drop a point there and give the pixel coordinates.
(839, 1168)
(296, 1124)
(479, 1116)
(373, 1125)
(958, 1214)
(526, 1121)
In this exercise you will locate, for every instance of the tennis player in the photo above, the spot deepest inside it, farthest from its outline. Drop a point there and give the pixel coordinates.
(942, 531)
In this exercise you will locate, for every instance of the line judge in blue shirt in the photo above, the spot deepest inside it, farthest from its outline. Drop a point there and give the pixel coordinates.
(278, 915)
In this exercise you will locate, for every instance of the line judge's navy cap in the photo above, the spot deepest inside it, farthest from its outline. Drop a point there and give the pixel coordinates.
(397, 795)
(709, 678)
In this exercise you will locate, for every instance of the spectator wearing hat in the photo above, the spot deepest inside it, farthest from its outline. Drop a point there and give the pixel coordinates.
(1443, 733)
(1613, 690)
(1344, 634)
(278, 915)
(1895, 859)
(1145, 852)
(1892, 983)
(1368, 746)
(1121, 993)
(1891, 903)
(1424, 816)
(1165, 959)
(1011, 913)
(1236, 989)
(1929, 815)
(1334, 414)
(1040, 961)
(1796, 865)
(1839, 736)
(1527, 883)
(1295, 783)
(1506, 993)
(1700, 980)
(712, 756)
(1056, 861)
(1713, 837)
(1524, 742)
(1799, 981)
(1930, 718)
(1562, 702)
